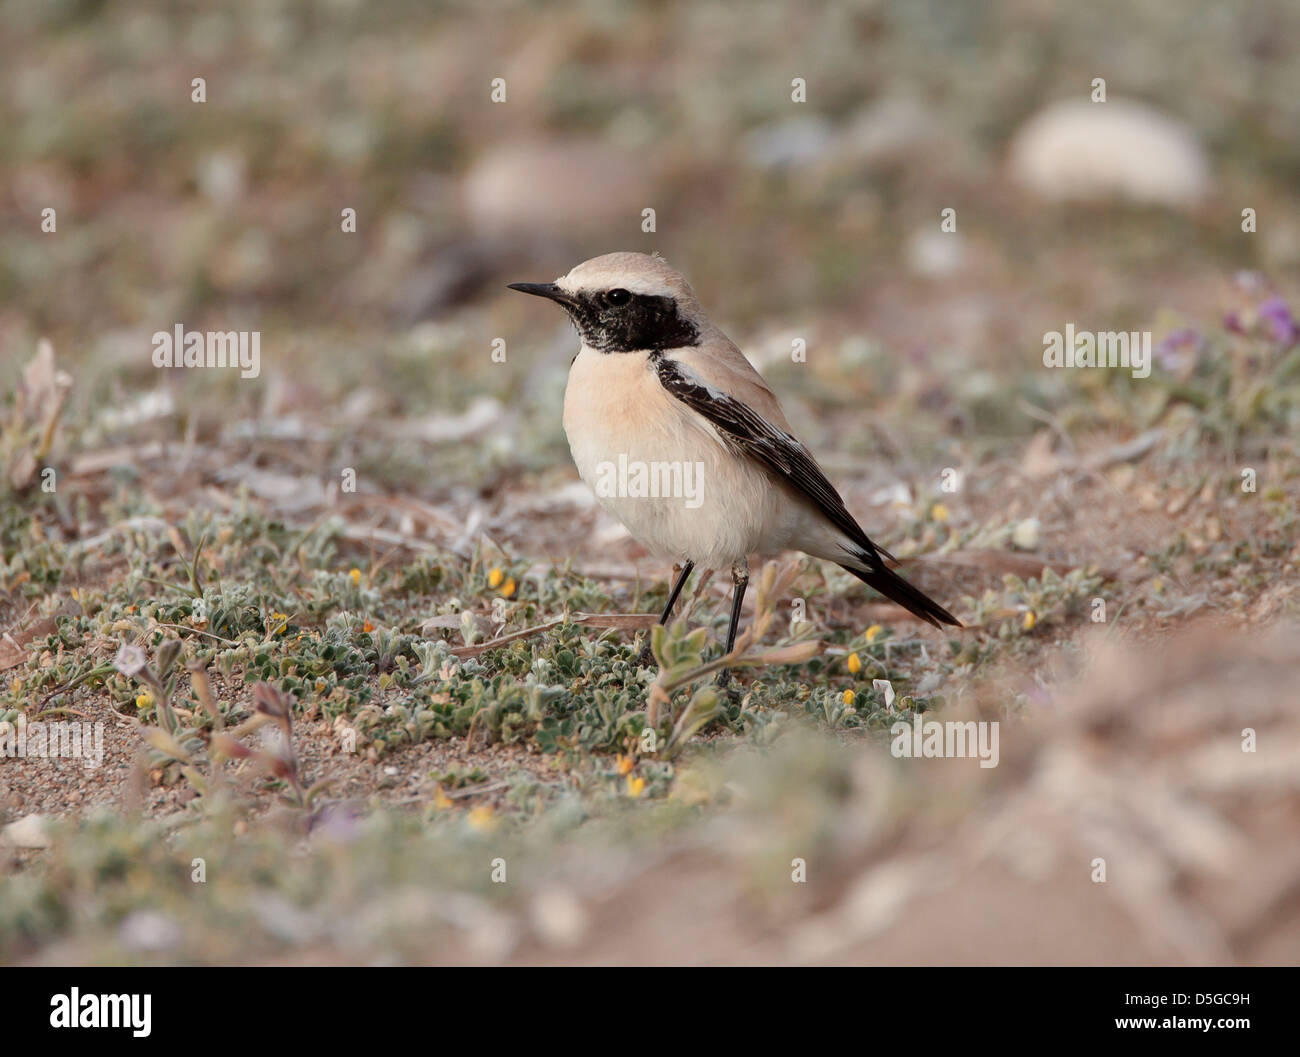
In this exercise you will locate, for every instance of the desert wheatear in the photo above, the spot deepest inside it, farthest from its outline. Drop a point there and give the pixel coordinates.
(684, 443)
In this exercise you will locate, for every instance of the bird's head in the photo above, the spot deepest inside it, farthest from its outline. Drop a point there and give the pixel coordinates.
(626, 302)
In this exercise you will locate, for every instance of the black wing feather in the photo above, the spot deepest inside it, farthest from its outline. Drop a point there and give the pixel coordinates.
(784, 456)
(774, 448)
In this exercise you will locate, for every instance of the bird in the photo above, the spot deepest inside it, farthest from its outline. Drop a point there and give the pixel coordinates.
(683, 441)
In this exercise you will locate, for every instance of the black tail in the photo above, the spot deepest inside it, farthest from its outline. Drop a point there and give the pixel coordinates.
(896, 589)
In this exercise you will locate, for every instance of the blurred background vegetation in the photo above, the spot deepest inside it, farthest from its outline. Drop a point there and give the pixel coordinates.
(817, 219)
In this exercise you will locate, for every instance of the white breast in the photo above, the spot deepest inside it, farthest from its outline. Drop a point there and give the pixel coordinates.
(630, 437)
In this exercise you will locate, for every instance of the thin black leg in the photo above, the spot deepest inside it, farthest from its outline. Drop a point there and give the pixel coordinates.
(647, 655)
(740, 580)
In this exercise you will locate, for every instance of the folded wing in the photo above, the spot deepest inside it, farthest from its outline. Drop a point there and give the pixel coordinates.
(789, 461)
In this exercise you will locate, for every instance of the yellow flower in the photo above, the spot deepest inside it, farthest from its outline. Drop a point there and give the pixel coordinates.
(872, 632)
(855, 663)
(508, 588)
(939, 512)
(144, 700)
(482, 818)
(356, 575)
(1030, 620)
(495, 577)
(441, 800)
(635, 785)
(282, 619)
(848, 697)
(625, 764)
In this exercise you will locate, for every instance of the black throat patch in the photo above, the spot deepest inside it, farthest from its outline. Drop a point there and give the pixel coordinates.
(645, 322)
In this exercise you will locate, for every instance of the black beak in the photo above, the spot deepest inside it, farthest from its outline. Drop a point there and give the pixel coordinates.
(547, 290)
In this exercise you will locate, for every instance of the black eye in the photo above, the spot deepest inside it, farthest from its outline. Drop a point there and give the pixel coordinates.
(618, 296)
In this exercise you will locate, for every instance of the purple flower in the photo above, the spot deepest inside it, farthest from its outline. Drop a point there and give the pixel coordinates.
(1178, 349)
(1281, 324)
(339, 822)
(1232, 321)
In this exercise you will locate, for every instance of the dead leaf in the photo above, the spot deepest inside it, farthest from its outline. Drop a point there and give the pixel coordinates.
(11, 654)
